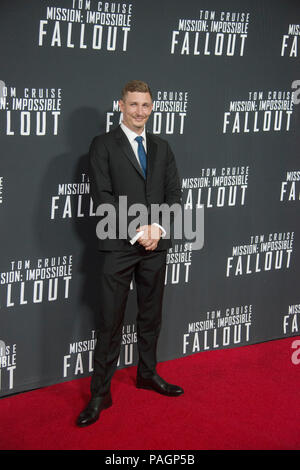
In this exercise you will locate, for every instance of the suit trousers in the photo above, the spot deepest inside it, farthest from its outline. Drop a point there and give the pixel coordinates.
(117, 271)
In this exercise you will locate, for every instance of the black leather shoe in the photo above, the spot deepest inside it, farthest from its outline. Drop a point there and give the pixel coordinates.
(159, 385)
(92, 412)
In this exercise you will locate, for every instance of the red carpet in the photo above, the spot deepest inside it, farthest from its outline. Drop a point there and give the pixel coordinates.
(242, 398)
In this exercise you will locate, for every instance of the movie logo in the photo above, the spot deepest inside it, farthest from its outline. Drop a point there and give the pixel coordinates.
(291, 319)
(30, 111)
(178, 264)
(259, 112)
(80, 357)
(36, 281)
(211, 33)
(219, 328)
(87, 25)
(290, 41)
(290, 187)
(72, 200)
(262, 253)
(216, 188)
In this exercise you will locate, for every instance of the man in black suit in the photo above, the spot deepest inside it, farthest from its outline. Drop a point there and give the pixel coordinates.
(129, 161)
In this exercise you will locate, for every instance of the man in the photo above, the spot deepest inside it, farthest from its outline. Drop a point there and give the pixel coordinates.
(129, 161)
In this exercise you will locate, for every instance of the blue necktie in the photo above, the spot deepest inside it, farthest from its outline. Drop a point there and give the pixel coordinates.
(142, 154)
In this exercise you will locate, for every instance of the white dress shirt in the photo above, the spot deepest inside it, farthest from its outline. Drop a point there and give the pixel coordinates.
(134, 144)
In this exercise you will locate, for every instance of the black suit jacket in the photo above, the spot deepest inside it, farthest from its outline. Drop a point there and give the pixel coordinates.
(114, 172)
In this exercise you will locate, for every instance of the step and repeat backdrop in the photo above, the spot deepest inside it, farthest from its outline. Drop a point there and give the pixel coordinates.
(226, 85)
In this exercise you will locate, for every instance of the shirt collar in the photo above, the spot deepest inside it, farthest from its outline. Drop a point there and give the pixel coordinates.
(132, 135)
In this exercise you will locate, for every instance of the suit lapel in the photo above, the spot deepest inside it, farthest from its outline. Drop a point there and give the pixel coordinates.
(127, 150)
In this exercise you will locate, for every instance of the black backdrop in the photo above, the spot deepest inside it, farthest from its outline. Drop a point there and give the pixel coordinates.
(222, 74)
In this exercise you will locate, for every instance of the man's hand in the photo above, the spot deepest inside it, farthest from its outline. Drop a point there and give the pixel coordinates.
(151, 236)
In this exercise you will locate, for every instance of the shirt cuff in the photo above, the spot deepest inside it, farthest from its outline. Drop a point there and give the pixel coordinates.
(136, 237)
(162, 229)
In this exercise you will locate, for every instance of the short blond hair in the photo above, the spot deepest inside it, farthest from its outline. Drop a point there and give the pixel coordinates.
(136, 85)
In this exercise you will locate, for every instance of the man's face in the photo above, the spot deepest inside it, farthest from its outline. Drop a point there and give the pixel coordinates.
(136, 108)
